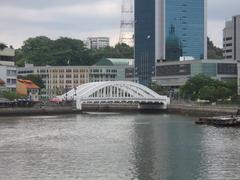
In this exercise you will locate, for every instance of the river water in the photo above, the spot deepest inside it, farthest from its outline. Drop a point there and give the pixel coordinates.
(117, 146)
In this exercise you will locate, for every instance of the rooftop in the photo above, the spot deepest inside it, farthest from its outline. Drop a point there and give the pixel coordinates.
(115, 62)
(7, 52)
(28, 84)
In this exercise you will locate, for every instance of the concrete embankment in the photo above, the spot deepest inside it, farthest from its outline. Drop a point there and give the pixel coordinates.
(37, 111)
(204, 110)
(185, 109)
(55, 110)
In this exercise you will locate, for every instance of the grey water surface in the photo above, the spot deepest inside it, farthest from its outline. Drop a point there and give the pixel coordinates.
(117, 146)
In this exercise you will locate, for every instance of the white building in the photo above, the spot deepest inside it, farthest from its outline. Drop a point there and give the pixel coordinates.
(60, 79)
(231, 39)
(8, 72)
(97, 42)
(7, 57)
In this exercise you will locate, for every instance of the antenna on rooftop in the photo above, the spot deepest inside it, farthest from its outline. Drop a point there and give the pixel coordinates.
(127, 23)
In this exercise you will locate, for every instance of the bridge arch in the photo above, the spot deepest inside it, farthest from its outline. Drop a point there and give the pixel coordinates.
(114, 91)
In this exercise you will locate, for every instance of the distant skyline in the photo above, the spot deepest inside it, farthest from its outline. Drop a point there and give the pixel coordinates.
(21, 19)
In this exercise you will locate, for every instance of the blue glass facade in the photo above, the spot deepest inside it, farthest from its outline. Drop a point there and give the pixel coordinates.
(144, 40)
(185, 29)
(180, 34)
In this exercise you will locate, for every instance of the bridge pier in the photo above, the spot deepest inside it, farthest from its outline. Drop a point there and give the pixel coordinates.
(78, 104)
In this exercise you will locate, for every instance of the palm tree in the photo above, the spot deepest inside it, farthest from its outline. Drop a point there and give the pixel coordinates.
(2, 46)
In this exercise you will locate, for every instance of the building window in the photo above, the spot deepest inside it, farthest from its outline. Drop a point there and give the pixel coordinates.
(174, 70)
(68, 76)
(11, 72)
(228, 51)
(228, 38)
(6, 58)
(228, 69)
(75, 75)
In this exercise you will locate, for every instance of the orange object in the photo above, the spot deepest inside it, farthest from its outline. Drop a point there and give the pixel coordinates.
(24, 86)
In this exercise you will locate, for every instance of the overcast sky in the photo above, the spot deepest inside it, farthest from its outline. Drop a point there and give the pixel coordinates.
(21, 19)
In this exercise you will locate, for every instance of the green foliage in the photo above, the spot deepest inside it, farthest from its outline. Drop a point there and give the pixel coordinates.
(159, 89)
(213, 51)
(20, 59)
(11, 95)
(2, 46)
(66, 51)
(207, 93)
(36, 79)
(206, 88)
(232, 86)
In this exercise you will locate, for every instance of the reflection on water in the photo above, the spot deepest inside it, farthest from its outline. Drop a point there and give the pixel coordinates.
(117, 146)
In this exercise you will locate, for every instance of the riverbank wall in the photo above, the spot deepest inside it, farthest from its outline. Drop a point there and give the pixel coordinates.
(202, 110)
(59, 110)
(184, 109)
(56, 110)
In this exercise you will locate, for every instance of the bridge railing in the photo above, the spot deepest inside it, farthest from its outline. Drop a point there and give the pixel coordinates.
(108, 99)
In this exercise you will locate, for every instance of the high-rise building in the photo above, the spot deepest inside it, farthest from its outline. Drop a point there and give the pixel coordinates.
(185, 29)
(231, 39)
(170, 30)
(127, 23)
(144, 40)
(97, 42)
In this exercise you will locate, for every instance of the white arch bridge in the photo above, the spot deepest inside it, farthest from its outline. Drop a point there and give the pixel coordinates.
(116, 92)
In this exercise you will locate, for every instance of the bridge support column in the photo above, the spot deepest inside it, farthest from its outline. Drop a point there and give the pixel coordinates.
(79, 104)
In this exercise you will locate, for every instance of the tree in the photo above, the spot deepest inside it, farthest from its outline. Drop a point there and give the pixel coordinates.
(232, 86)
(192, 87)
(119, 51)
(204, 87)
(213, 51)
(37, 51)
(66, 51)
(11, 95)
(2, 46)
(20, 58)
(223, 93)
(159, 89)
(208, 93)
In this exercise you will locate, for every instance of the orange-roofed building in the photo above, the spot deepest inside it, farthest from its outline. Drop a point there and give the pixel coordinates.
(28, 88)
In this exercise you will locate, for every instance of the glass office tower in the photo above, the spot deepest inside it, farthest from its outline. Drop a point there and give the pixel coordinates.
(185, 29)
(170, 30)
(144, 40)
